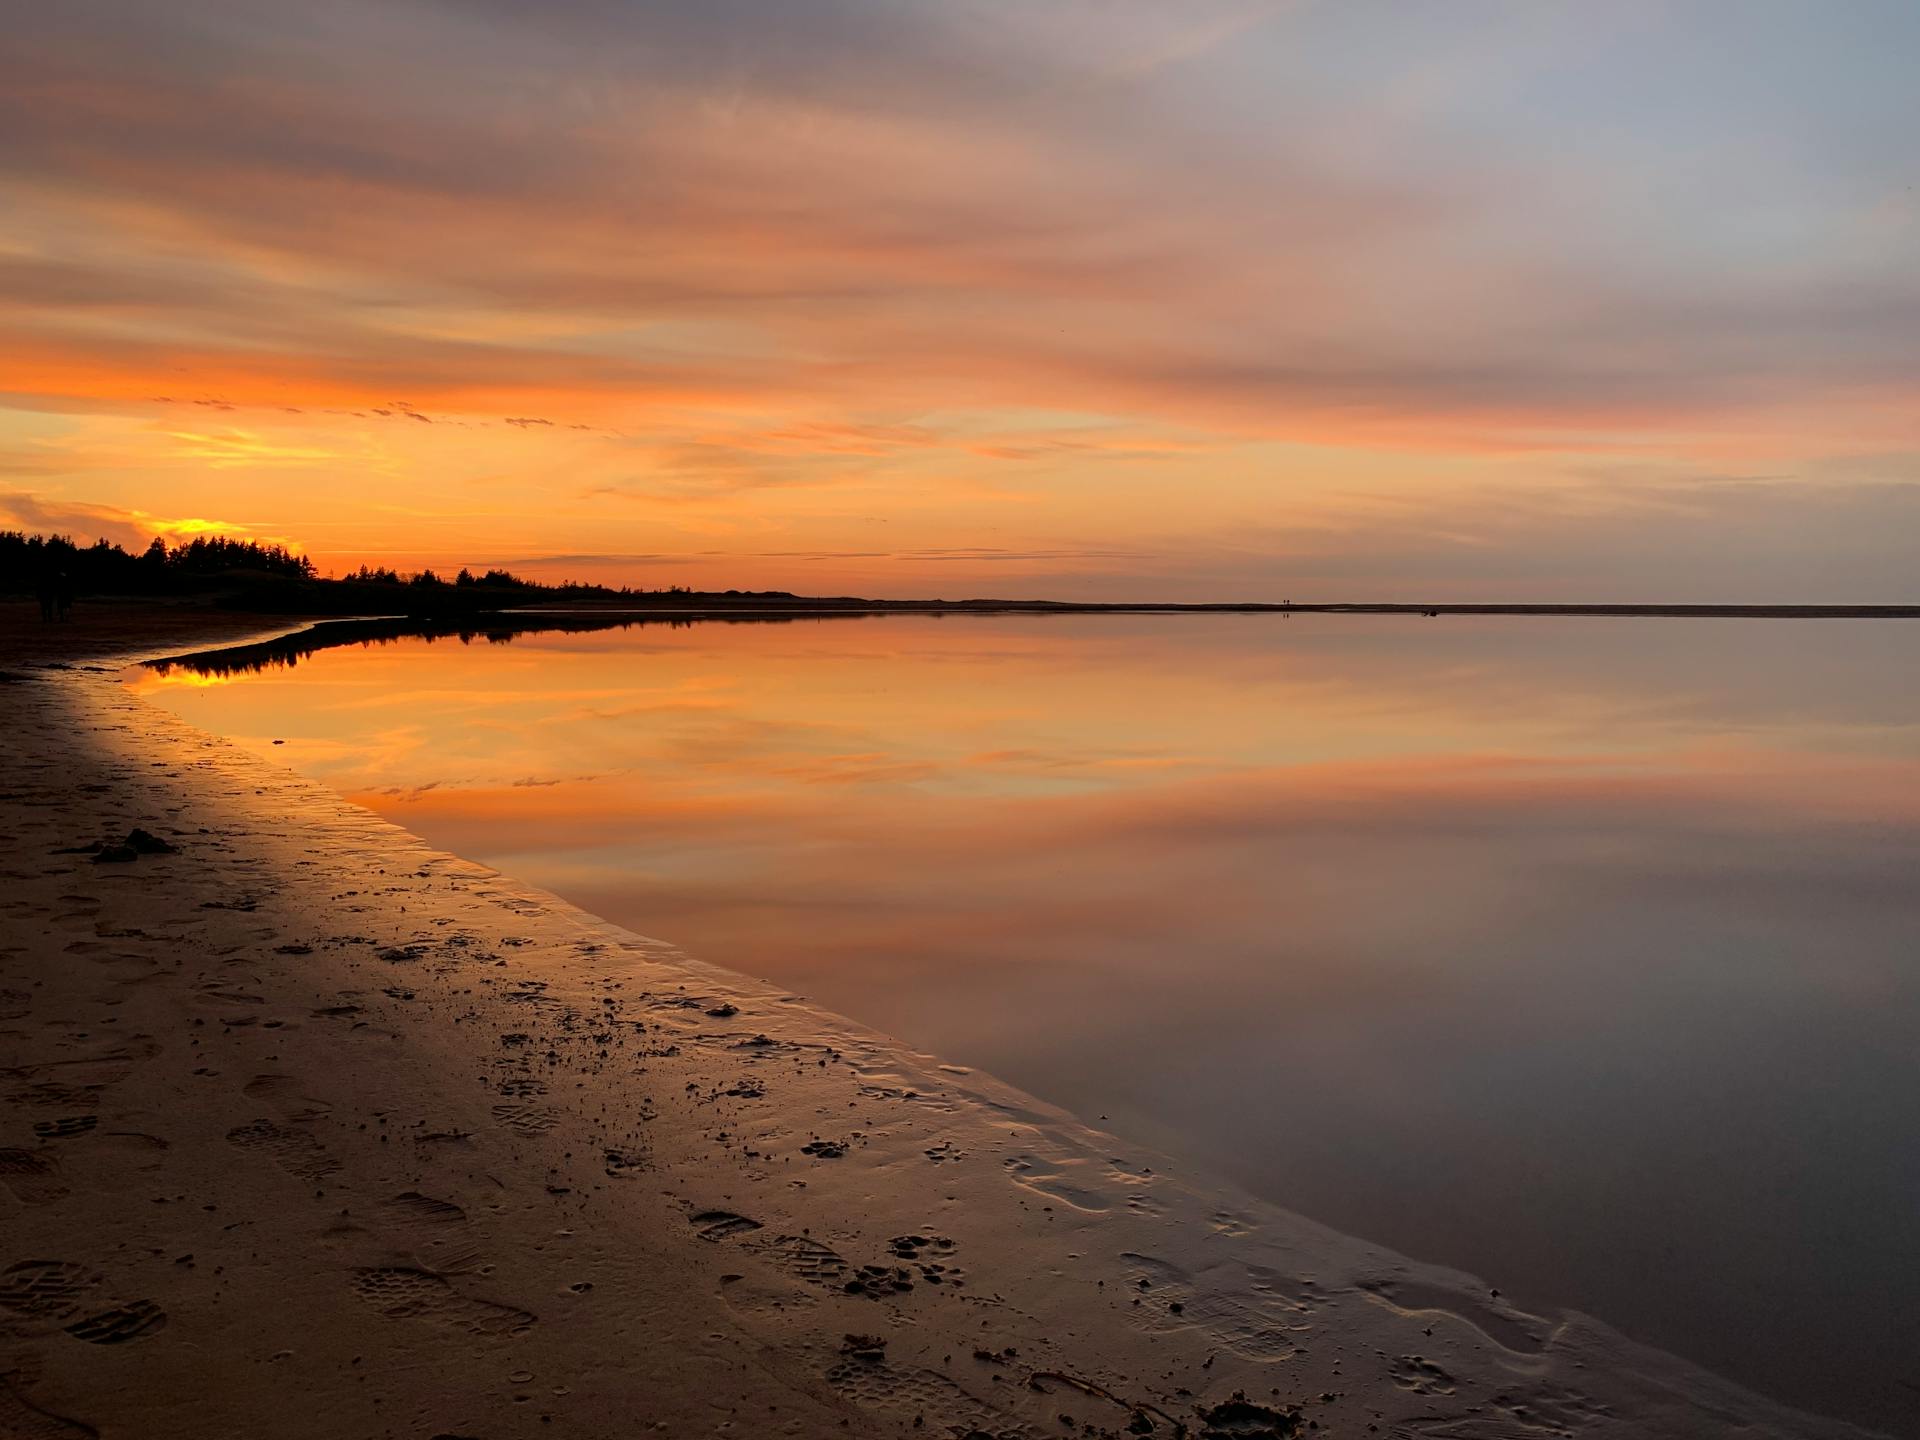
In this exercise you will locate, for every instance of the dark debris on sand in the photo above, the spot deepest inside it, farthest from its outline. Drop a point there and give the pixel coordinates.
(1241, 1419)
(138, 842)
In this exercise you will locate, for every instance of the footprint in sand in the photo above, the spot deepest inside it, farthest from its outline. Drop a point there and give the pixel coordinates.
(758, 1294)
(282, 1092)
(402, 1293)
(435, 1231)
(766, 1297)
(1259, 1323)
(811, 1261)
(119, 1325)
(1420, 1375)
(411, 1208)
(45, 1292)
(76, 1083)
(41, 1295)
(1056, 1184)
(817, 1264)
(67, 1127)
(33, 1177)
(528, 1120)
(924, 1398)
(717, 1225)
(222, 994)
(1507, 1327)
(294, 1151)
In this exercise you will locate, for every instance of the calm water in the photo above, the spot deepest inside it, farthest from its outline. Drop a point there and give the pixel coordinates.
(1582, 954)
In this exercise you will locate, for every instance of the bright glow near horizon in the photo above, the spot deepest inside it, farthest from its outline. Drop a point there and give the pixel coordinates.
(1223, 300)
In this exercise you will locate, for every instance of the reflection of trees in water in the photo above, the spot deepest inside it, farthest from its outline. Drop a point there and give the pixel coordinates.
(289, 650)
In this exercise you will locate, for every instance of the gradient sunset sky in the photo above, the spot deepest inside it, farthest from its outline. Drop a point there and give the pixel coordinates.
(1418, 300)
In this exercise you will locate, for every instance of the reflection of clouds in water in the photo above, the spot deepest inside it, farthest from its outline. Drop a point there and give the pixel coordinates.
(1107, 689)
(1352, 872)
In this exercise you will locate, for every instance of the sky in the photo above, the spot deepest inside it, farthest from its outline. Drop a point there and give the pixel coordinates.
(1432, 299)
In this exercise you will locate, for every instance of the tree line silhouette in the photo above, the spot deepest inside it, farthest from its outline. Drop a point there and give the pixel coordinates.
(26, 561)
(379, 575)
(249, 575)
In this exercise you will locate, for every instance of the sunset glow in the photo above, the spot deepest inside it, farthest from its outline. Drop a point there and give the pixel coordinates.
(1226, 300)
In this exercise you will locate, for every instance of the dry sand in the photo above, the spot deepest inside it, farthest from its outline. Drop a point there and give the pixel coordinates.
(311, 1130)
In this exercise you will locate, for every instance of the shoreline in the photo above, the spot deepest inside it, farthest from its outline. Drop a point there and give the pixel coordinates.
(806, 609)
(376, 1132)
(287, 646)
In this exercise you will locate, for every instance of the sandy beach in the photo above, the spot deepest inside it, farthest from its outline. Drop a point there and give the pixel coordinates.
(312, 1130)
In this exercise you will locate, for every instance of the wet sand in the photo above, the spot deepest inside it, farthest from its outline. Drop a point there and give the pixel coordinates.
(311, 1130)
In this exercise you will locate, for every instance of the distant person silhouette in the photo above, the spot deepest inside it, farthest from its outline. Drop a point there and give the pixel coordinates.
(62, 595)
(47, 588)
